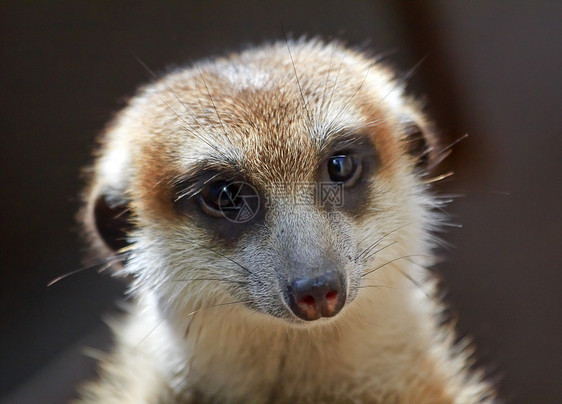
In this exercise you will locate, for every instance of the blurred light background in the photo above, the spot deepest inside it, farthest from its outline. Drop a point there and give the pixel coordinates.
(491, 69)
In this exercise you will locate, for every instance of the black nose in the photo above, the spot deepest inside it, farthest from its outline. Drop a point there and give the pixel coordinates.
(312, 298)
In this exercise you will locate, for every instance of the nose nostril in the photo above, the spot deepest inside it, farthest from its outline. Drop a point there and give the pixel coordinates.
(321, 296)
(307, 300)
(331, 295)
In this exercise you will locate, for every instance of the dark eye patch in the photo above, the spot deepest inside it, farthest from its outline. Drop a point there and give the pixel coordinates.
(186, 191)
(221, 202)
(351, 160)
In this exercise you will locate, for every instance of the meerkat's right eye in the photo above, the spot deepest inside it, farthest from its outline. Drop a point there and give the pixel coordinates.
(220, 197)
(215, 196)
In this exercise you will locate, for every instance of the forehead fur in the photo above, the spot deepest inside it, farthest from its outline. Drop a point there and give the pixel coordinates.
(270, 111)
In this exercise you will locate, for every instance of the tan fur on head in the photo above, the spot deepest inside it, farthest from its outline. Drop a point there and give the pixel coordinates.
(216, 317)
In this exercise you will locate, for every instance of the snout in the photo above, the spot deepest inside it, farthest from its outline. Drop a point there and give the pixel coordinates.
(315, 297)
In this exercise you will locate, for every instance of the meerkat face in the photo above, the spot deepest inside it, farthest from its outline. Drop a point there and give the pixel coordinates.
(271, 179)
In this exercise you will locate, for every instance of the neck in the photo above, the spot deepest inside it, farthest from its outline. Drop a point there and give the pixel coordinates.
(230, 349)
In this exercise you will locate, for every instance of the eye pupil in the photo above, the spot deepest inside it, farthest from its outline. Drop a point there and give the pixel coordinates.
(341, 168)
(237, 201)
(223, 195)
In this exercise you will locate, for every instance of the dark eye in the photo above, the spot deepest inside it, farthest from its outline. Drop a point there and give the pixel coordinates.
(220, 196)
(344, 168)
(236, 201)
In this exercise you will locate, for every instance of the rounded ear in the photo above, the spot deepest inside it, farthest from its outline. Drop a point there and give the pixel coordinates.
(107, 217)
(420, 141)
(107, 221)
(416, 144)
(112, 222)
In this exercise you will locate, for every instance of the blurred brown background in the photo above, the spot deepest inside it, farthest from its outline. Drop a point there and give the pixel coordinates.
(492, 70)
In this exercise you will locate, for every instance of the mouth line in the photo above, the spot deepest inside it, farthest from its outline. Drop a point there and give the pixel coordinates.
(298, 323)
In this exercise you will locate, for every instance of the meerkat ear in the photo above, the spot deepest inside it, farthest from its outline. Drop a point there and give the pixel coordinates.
(112, 222)
(107, 224)
(420, 142)
(107, 216)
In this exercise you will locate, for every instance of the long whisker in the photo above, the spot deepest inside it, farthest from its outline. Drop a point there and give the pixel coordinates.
(367, 250)
(188, 128)
(336, 81)
(375, 287)
(229, 259)
(390, 262)
(342, 109)
(327, 77)
(101, 266)
(218, 305)
(403, 79)
(454, 143)
(193, 313)
(416, 283)
(211, 99)
(304, 103)
(190, 192)
(396, 317)
(206, 279)
(444, 153)
(368, 256)
(164, 318)
(439, 178)
(221, 255)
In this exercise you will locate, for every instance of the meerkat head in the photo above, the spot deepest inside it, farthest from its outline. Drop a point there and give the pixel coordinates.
(277, 179)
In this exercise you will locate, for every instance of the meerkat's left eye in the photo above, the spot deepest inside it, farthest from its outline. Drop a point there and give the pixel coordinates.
(344, 168)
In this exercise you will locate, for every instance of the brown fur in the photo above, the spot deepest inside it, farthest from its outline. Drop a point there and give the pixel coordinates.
(270, 115)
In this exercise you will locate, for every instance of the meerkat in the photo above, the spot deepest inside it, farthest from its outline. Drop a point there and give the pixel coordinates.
(273, 212)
